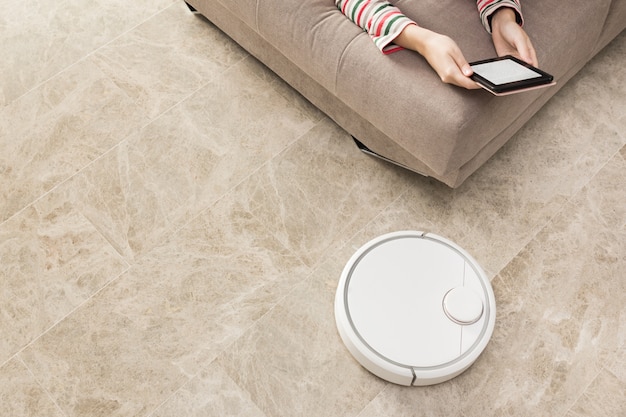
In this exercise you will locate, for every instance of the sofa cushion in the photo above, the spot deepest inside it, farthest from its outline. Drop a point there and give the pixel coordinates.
(309, 33)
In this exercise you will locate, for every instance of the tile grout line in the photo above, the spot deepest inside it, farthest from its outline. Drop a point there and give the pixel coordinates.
(568, 202)
(65, 181)
(582, 393)
(215, 360)
(311, 271)
(331, 247)
(604, 368)
(257, 322)
(380, 393)
(224, 194)
(89, 54)
(68, 314)
(41, 386)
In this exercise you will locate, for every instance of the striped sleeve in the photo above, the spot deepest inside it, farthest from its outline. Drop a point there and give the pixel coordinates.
(379, 18)
(486, 8)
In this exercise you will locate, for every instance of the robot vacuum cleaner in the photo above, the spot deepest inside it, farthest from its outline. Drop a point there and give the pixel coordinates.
(414, 308)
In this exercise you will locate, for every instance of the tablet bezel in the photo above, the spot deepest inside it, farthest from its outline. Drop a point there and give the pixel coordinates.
(544, 78)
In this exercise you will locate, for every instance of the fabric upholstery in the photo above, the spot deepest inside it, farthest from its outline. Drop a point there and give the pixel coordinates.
(406, 113)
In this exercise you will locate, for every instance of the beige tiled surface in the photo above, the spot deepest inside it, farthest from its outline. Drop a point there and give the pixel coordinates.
(40, 39)
(174, 220)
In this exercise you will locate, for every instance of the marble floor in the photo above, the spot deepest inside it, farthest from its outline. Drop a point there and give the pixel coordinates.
(174, 220)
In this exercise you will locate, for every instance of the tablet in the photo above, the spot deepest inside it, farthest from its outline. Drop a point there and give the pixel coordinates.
(507, 75)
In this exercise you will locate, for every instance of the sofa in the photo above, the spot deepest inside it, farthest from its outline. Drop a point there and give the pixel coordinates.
(406, 115)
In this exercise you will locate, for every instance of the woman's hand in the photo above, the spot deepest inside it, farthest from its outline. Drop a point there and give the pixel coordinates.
(509, 38)
(441, 52)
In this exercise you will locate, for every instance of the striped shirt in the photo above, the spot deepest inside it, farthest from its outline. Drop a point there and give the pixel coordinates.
(384, 22)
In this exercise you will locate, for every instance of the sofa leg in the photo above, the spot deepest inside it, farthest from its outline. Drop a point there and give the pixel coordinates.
(193, 9)
(370, 152)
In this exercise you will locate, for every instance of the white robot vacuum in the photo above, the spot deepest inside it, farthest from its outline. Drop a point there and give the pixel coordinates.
(414, 308)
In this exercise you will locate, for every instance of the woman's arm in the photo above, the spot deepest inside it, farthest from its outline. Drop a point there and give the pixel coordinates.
(441, 52)
(488, 8)
(379, 18)
(391, 30)
(509, 38)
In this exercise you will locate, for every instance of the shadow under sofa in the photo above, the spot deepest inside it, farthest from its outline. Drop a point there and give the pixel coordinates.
(394, 105)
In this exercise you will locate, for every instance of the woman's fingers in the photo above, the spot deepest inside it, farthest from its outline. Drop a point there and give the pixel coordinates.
(446, 58)
(510, 39)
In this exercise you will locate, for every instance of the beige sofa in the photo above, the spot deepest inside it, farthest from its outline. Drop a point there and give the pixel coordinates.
(406, 114)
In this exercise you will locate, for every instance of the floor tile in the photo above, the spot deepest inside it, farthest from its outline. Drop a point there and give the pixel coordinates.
(148, 333)
(51, 260)
(210, 394)
(558, 314)
(600, 84)
(40, 40)
(293, 362)
(605, 397)
(618, 367)
(21, 395)
(321, 191)
(164, 60)
(188, 158)
(440, 400)
(57, 129)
